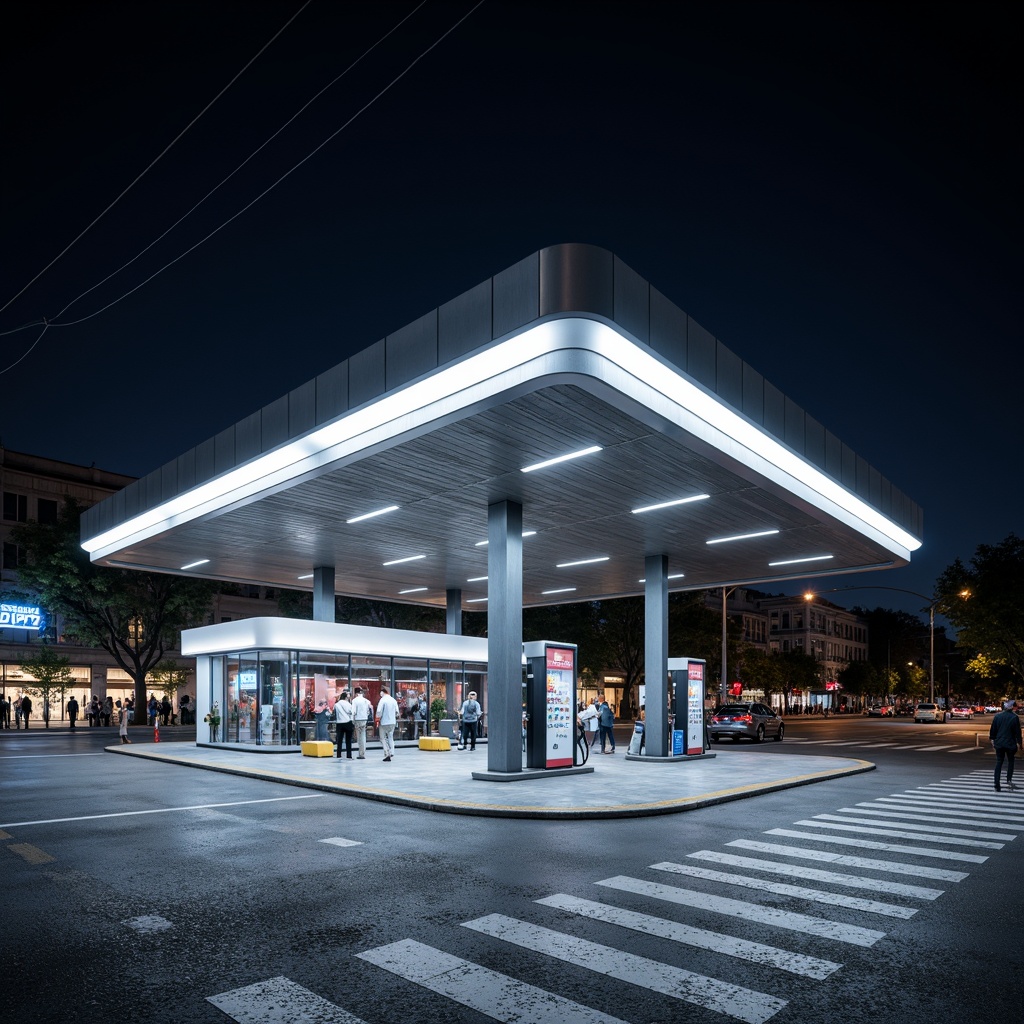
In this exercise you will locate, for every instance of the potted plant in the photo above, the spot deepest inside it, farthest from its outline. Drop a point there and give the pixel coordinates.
(212, 718)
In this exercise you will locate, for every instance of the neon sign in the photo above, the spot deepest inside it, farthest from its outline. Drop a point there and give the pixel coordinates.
(21, 616)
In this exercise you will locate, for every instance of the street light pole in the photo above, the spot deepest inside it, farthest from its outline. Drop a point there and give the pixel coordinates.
(723, 683)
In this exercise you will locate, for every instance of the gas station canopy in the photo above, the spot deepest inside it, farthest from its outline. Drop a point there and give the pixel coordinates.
(566, 384)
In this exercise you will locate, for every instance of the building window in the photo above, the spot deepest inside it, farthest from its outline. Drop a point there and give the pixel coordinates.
(46, 512)
(15, 507)
(12, 557)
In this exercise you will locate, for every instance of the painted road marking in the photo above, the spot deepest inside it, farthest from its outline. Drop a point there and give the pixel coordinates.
(892, 867)
(784, 889)
(738, 908)
(951, 807)
(279, 1001)
(158, 810)
(909, 815)
(732, 1000)
(742, 949)
(338, 841)
(22, 757)
(870, 844)
(935, 831)
(148, 923)
(817, 875)
(896, 834)
(497, 995)
(30, 853)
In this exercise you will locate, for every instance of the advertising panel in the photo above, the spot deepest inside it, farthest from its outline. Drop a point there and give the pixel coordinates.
(695, 707)
(561, 710)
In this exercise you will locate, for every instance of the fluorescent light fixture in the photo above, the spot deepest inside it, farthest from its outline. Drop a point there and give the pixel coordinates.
(414, 590)
(192, 565)
(669, 504)
(476, 600)
(561, 590)
(370, 515)
(484, 543)
(476, 579)
(582, 561)
(741, 536)
(408, 558)
(797, 561)
(308, 576)
(674, 576)
(562, 458)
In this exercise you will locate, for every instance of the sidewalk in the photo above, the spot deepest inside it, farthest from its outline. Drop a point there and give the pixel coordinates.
(442, 781)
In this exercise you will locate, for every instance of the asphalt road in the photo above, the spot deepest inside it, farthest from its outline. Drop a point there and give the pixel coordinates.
(142, 891)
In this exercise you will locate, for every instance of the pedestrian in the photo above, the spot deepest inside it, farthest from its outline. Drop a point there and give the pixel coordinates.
(387, 719)
(421, 717)
(165, 710)
(589, 718)
(344, 726)
(122, 723)
(470, 715)
(108, 710)
(94, 711)
(26, 709)
(72, 711)
(322, 713)
(5, 711)
(153, 708)
(362, 712)
(1005, 735)
(607, 726)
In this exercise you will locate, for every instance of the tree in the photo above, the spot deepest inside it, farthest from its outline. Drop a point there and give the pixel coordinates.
(764, 670)
(52, 673)
(861, 679)
(621, 623)
(170, 677)
(134, 616)
(985, 603)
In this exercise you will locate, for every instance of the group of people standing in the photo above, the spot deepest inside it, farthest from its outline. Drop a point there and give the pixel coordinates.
(597, 719)
(20, 710)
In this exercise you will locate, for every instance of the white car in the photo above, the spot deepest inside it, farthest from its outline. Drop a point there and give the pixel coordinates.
(929, 713)
(962, 711)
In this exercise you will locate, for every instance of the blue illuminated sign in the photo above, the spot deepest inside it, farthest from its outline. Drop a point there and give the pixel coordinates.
(14, 615)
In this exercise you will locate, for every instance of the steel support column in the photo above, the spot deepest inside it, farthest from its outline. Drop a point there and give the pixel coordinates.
(453, 621)
(323, 593)
(656, 655)
(504, 637)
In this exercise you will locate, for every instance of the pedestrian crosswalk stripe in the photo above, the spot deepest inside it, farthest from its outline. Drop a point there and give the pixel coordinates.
(871, 844)
(964, 750)
(728, 945)
(933, 833)
(897, 834)
(973, 809)
(873, 745)
(743, 1004)
(947, 746)
(749, 912)
(891, 867)
(338, 841)
(785, 889)
(496, 995)
(817, 875)
(889, 811)
(279, 1001)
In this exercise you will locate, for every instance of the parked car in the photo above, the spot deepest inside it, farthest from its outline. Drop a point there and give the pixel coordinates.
(929, 713)
(880, 711)
(750, 719)
(992, 709)
(961, 711)
(979, 709)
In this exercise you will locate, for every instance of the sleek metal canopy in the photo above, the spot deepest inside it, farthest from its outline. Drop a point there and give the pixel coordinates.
(566, 351)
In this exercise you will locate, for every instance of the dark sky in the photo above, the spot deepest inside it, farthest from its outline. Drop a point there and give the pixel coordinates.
(833, 190)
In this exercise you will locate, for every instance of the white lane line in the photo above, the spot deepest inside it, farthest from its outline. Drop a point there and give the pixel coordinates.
(279, 1001)
(898, 834)
(870, 844)
(965, 750)
(892, 867)
(873, 745)
(338, 841)
(742, 949)
(496, 995)
(733, 1000)
(785, 889)
(917, 814)
(817, 875)
(846, 743)
(738, 908)
(947, 746)
(35, 757)
(160, 810)
(935, 833)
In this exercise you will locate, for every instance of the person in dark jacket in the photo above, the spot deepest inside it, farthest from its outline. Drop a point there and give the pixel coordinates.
(1005, 736)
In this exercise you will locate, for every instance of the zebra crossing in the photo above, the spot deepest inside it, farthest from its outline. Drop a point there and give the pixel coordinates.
(872, 865)
(892, 745)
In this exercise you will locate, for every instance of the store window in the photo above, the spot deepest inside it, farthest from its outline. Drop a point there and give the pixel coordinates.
(410, 675)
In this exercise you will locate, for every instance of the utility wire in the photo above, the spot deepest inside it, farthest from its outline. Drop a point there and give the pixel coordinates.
(153, 163)
(286, 174)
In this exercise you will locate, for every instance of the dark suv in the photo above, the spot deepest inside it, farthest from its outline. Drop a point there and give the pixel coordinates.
(750, 719)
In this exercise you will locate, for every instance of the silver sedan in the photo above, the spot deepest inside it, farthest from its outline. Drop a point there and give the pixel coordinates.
(752, 720)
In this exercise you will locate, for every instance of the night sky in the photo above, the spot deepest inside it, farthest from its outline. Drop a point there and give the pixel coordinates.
(833, 190)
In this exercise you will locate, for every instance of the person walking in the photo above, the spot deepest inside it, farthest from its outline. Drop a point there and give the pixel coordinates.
(589, 718)
(165, 710)
(1005, 736)
(26, 709)
(343, 727)
(5, 711)
(122, 723)
(362, 712)
(94, 712)
(108, 710)
(72, 711)
(387, 719)
(607, 725)
(470, 715)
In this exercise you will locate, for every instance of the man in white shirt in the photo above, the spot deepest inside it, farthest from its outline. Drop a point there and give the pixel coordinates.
(343, 712)
(362, 712)
(387, 719)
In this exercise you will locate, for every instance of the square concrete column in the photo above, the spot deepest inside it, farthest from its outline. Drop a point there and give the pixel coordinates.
(505, 637)
(656, 655)
(453, 603)
(323, 593)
